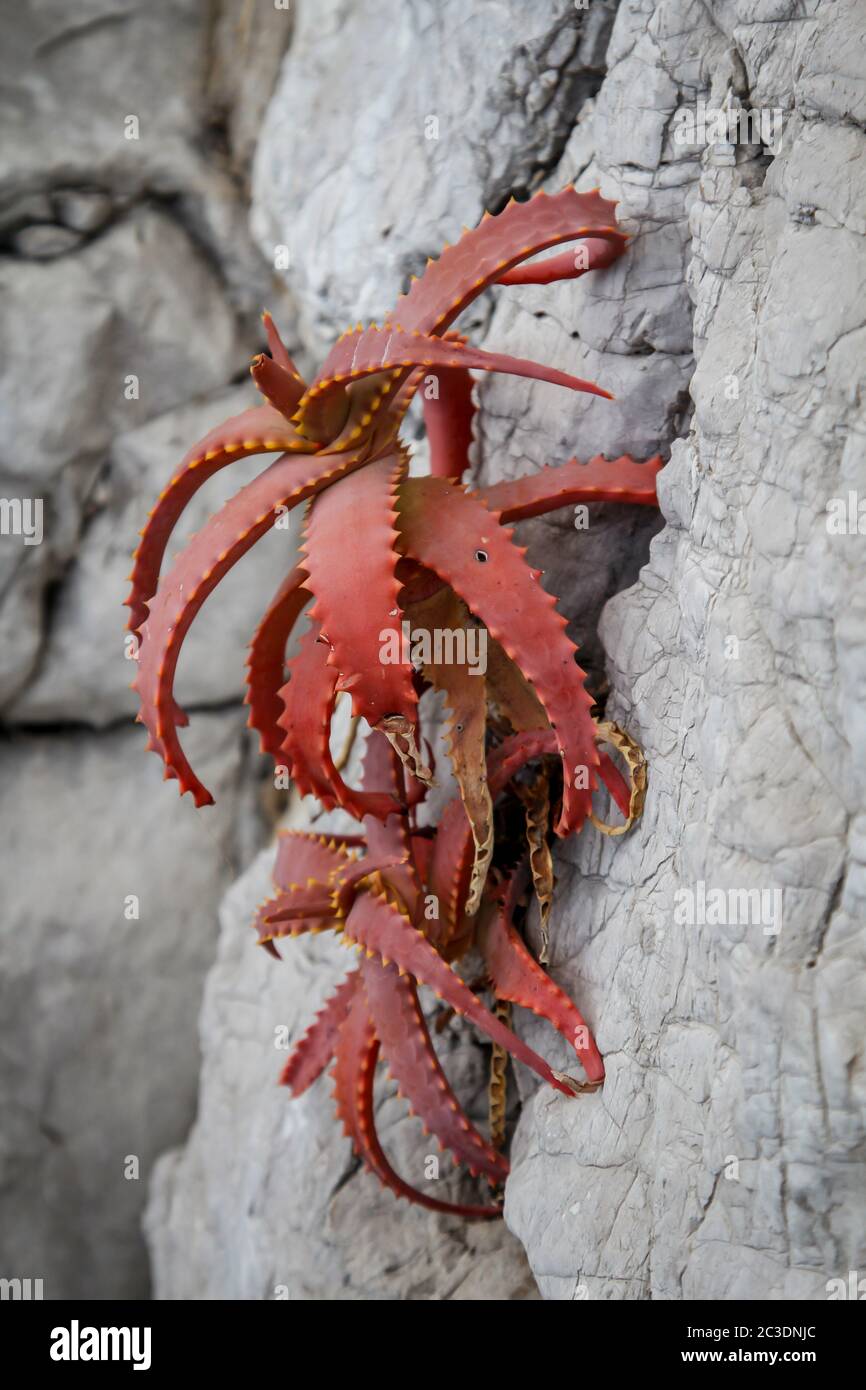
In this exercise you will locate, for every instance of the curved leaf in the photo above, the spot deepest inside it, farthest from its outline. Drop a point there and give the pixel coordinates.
(412, 1062)
(316, 1048)
(354, 1069)
(460, 540)
(261, 430)
(195, 574)
(601, 480)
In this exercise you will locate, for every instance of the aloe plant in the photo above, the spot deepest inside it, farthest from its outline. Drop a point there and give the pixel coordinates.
(386, 557)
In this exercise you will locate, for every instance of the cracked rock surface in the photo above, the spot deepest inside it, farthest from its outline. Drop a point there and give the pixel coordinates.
(724, 1157)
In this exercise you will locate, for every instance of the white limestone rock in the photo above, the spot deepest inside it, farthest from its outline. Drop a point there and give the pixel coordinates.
(724, 1157)
(99, 1065)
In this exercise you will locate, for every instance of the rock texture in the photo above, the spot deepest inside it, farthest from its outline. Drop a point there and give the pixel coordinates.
(101, 964)
(128, 281)
(724, 1157)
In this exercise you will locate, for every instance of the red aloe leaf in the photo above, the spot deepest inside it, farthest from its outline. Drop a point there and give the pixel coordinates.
(450, 870)
(277, 377)
(514, 753)
(354, 1069)
(312, 899)
(394, 348)
(483, 256)
(296, 913)
(402, 396)
(316, 1048)
(350, 532)
(311, 872)
(460, 540)
(195, 574)
(301, 856)
(422, 853)
(306, 870)
(309, 699)
(389, 841)
(382, 931)
(394, 869)
(615, 783)
(592, 254)
(413, 1064)
(282, 390)
(521, 980)
(448, 420)
(261, 430)
(601, 480)
(266, 663)
(316, 900)
(449, 409)
(278, 350)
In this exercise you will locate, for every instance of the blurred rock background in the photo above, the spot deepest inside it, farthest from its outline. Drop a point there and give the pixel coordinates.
(165, 171)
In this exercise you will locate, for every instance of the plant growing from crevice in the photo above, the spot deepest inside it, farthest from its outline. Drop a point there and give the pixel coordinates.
(387, 563)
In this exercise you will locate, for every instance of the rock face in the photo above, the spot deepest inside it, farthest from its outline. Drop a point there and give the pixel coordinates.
(101, 964)
(724, 1157)
(127, 277)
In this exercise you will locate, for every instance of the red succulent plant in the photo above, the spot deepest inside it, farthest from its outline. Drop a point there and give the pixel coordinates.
(388, 563)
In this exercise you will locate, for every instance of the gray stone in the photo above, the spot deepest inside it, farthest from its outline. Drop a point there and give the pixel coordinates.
(16, 211)
(407, 123)
(724, 1157)
(149, 125)
(99, 1063)
(83, 209)
(99, 1050)
(246, 49)
(64, 126)
(42, 241)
